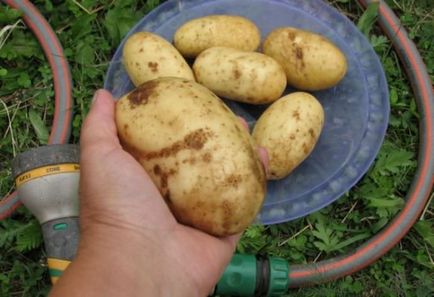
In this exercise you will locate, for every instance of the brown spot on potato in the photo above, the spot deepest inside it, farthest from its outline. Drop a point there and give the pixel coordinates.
(200, 204)
(207, 157)
(305, 148)
(167, 197)
(233, 180)
(236, 73)
(226, 208)
(141, 50)
(291, 36)
(141, 94)
(292, 136)
(299, 53)
(296, 115)
(153, 66)
(163, 180)
(312, 133)
(227, 214)
(194, 140)
(157, 170)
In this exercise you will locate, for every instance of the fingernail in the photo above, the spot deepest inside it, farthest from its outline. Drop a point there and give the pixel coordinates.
(264, 159)
(95, 97)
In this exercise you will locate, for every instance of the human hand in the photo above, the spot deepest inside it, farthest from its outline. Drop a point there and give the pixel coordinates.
(125, 223)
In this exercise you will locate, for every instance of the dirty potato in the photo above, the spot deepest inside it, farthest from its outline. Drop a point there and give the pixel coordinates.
(289, 129)
(238, 75)
(197, 35)
(311, 62)
(196, 151)
(147, 56)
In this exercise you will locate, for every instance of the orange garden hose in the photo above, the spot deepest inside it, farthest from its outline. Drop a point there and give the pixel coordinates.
(63, 103)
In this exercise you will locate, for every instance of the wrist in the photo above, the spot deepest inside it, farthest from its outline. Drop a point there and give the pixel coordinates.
(122, 262)
(127, 263)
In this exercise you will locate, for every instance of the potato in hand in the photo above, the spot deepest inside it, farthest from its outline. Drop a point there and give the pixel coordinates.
(196, 151)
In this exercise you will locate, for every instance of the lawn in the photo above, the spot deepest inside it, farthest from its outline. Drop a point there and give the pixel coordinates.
(91, 30)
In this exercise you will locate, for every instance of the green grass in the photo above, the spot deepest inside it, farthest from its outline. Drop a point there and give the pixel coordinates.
(91, 31)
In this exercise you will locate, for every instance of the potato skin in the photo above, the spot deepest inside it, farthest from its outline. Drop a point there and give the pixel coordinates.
(289, 129)
(147, 56)
(311, 62)
(197, 153)
(238, 75)
(198, 34)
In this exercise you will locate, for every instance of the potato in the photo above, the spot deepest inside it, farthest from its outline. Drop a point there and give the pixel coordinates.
(196, 151)
(311, 62)
(147, 56)
(242, 76)
(289, 129)
(199, 34)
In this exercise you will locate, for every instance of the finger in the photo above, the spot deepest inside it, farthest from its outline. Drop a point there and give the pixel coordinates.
(244, 123)
(263, 155)
(99, 127)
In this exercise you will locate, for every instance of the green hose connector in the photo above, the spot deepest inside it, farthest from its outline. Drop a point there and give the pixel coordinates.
(246, 276)
(239, 278)
(278, 279)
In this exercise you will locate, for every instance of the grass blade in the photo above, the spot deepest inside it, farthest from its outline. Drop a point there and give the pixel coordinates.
(368, 19)
(39, 126)
(351, 240)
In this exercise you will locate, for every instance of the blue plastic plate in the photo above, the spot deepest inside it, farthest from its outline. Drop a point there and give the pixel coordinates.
(356, 110)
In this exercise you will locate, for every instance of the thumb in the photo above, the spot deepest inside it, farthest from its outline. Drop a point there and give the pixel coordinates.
(99, 127)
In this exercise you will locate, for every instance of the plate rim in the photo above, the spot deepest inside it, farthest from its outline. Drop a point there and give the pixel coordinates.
(383, 86)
